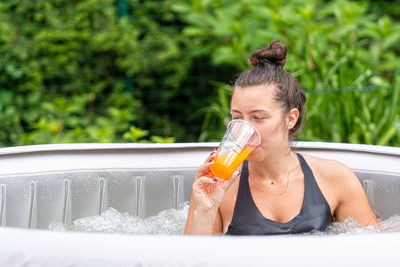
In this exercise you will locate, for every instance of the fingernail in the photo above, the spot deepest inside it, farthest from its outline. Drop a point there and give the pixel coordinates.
(215, 180)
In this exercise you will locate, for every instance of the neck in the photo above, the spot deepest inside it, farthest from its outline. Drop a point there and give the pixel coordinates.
(274, 167)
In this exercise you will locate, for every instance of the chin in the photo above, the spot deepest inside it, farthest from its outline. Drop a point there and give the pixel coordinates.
(252, 155)
(257, 154)
(250, 158)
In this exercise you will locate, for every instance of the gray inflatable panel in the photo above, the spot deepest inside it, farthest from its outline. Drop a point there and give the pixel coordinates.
(47, 183)
(61, 183)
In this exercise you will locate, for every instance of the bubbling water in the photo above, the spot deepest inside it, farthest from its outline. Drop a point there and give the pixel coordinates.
(391, 224)
(172, 222)
(169, 222)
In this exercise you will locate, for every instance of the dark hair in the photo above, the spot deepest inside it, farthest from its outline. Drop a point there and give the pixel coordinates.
(267, 68)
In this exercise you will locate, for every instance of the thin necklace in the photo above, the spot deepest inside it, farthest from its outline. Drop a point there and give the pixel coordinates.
(287, 180)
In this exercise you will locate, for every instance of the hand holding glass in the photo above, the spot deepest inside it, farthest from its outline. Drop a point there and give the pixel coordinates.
(239, 140)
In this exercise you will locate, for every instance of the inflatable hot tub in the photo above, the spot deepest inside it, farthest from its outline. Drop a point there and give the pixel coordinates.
(61, 183)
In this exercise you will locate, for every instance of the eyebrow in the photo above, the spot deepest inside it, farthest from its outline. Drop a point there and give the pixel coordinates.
(253, 111)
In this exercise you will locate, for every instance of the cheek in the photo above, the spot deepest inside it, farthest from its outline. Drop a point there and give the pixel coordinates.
(271, 130)
(271, 127)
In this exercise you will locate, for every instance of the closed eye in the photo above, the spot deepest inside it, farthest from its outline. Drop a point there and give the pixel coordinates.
(258, 118)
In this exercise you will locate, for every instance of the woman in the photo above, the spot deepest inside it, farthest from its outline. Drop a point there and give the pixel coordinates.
(277, 191)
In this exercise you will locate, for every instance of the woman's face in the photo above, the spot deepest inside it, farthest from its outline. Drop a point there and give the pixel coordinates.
(257, 106)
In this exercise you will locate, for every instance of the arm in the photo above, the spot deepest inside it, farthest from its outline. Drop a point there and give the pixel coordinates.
(352, 202)
(207, 193)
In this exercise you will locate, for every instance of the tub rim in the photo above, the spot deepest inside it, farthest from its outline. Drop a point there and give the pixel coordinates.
(92, 249)
(305, 145)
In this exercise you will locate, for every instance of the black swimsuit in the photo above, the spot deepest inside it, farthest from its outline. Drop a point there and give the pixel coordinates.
(315, 213)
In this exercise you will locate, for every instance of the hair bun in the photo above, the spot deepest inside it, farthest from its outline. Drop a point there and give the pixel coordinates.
(274, 53)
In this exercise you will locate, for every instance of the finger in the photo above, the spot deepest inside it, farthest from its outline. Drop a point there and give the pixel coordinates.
(211, 157)
(201, 181)
(204, 169)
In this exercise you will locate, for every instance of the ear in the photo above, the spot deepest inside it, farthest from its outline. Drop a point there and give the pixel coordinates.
(291, 118)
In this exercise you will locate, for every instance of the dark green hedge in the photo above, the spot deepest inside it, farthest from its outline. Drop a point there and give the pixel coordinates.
(76, 71)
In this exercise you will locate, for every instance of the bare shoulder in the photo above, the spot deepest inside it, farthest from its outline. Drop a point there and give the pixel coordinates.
(330, 170)
(326, 166)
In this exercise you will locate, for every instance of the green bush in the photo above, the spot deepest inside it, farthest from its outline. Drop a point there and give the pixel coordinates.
(346, 60)
(63, 73)
(75, 71)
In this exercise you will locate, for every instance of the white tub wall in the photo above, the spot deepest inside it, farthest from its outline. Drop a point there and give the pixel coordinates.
(20, 247)
(66, 196)
(65, 182)
(45, 158)
(24, 247)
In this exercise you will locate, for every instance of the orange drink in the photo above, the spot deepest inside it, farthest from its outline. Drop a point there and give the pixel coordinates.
(239, 140)
(226, 163)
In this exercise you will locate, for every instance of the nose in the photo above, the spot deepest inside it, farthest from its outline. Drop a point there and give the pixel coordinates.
(247, 119)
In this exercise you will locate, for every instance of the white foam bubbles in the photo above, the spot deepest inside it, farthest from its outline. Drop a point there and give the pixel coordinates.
(172, 222)
(169, 222)
(391, 224)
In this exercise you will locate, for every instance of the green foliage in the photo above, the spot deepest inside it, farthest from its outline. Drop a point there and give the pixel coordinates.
(136, 135)
(74, 71)
(63, 72)
(333, 44)
(174, 80)
(218, 111)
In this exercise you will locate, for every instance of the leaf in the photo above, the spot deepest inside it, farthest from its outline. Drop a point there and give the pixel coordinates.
(134, 134)
(391, 40)
(181, 7)
(159, 139)
(225, 55)
(194, 31)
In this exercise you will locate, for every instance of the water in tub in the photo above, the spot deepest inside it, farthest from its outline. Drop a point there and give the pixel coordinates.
(172, 222)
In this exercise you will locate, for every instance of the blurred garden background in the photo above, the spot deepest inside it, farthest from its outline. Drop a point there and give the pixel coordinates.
(74, 71)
